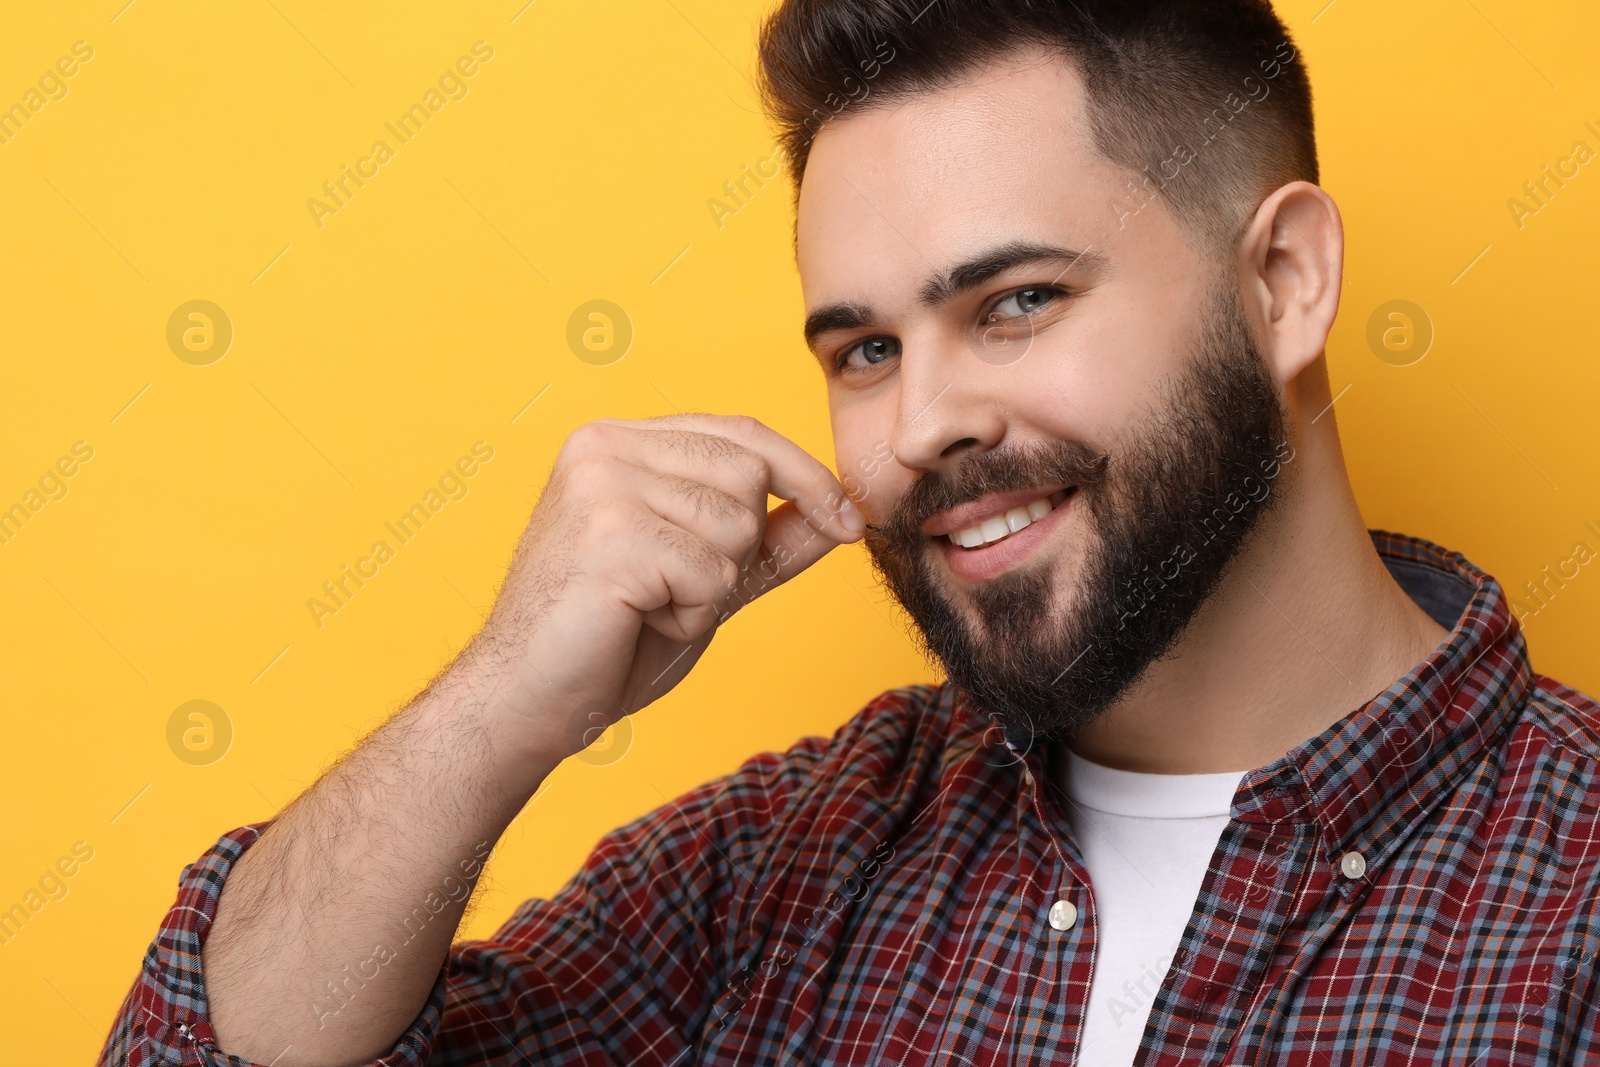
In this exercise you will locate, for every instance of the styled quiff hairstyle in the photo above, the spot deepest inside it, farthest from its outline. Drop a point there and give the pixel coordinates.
(1205, 103)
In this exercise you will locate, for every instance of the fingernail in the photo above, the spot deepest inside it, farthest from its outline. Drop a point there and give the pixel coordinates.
(851, 518)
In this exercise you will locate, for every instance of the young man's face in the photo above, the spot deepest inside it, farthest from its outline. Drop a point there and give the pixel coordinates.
(1120, 370)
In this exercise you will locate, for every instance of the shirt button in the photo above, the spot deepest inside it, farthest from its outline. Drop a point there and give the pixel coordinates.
(1027, 778)
(1353, 864)
(1063, 915)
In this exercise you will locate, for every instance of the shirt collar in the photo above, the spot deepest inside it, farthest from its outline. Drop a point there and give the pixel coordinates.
(1373, 775)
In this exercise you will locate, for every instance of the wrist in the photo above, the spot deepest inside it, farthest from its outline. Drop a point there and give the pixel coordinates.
(471, 705)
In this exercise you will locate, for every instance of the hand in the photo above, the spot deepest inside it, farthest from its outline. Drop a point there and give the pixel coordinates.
(648, 536)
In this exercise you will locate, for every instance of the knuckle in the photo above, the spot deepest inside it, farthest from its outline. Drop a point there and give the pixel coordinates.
(747, 525)
(595, 474)
(748, 425)
(750, 467)
(609, 519)
(589, 436)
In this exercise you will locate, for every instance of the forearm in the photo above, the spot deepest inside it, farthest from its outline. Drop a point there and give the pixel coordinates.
(331, 929)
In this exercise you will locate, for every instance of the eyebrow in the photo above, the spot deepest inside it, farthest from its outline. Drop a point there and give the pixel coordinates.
(942, 288)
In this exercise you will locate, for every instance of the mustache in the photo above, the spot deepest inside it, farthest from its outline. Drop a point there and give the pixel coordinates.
(1062, 462)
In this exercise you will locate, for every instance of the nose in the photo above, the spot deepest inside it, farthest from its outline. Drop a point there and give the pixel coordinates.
(949, 404)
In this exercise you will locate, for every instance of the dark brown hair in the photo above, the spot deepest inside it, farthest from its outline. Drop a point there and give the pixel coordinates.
(1205, 103)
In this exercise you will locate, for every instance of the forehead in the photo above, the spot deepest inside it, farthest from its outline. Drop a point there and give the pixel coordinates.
(1006, 152)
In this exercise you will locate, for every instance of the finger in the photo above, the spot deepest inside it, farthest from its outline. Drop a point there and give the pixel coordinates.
(793, 474)
(701, 581)
(791, 544)
(726, 522)
(600, 480)
(736, 531)
(715, 461)
(683, 582)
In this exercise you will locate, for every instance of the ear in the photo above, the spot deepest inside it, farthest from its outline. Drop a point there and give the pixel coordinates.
(1291, 266)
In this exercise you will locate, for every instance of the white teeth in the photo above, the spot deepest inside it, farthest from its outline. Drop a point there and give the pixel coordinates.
(998, 527)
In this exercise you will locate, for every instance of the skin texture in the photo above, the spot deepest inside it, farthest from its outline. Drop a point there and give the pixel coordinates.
(1305, 624)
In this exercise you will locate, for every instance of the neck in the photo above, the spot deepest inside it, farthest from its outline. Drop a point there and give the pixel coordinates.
(1304, 628)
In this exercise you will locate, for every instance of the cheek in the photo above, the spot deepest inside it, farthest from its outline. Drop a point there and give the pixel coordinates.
(869, 473)
(864, 461)
(1110, 368)
(862, 424)
(1071, 387)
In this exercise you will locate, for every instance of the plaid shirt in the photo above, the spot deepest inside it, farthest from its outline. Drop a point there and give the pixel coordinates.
(1417, 884)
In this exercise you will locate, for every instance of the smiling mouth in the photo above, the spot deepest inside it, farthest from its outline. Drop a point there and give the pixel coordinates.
(1003, 524)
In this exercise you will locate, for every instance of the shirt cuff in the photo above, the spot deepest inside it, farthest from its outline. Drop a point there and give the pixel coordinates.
(173, 1021)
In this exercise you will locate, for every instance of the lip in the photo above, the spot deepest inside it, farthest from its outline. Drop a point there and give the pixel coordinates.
(970, 514)
(981, 564)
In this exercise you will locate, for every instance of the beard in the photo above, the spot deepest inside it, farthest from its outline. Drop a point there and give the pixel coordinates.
(1167, 510)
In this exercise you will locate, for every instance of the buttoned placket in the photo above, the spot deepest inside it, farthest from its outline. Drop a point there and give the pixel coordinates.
(1264, 857)
(1068, 915)
(1282, 833)
(1071, 877)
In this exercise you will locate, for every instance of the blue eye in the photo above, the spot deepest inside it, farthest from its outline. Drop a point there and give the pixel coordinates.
(1026, 301)
(1017, 304)
(874, 349)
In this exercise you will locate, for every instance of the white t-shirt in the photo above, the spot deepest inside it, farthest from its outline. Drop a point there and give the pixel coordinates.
(1147, 840)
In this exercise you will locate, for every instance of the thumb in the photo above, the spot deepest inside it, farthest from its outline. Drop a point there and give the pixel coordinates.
(793, 542)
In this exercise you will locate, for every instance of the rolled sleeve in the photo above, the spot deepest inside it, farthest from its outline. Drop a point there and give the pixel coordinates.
(624, 964)
(165, 1019)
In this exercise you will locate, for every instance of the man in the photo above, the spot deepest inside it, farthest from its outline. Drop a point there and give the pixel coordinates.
(1218, 776)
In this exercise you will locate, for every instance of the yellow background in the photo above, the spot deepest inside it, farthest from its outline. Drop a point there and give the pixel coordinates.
(427, 313)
